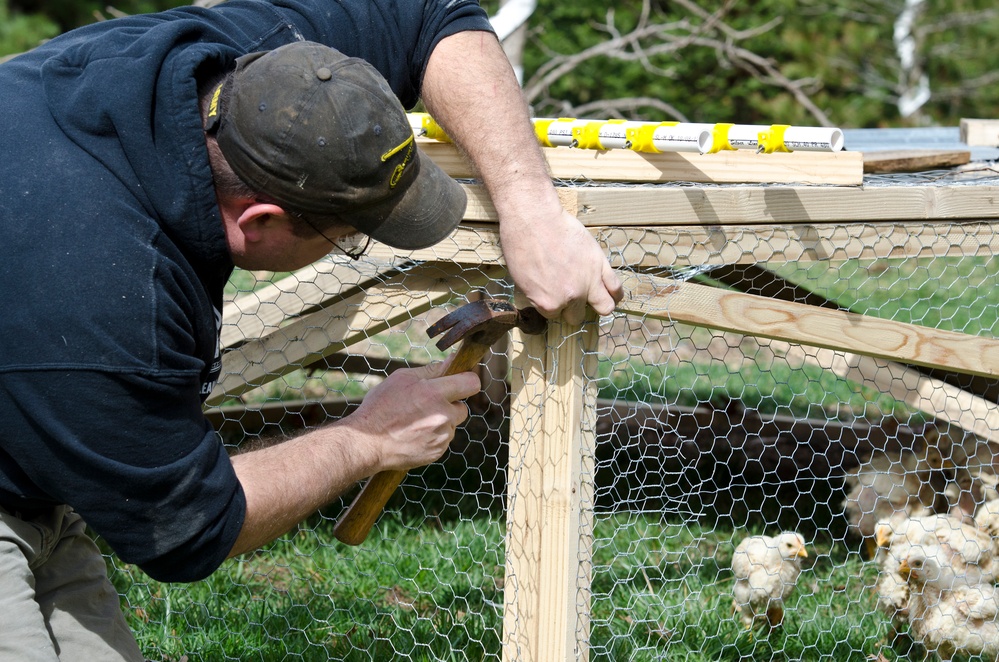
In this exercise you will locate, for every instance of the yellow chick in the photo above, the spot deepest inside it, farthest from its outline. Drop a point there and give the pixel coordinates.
(892, 589)
(909, 483)
(987, 519)
(964, 548)
(766, 569)
(948, 613)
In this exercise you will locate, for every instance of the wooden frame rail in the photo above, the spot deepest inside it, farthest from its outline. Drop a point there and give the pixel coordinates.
(840, 168)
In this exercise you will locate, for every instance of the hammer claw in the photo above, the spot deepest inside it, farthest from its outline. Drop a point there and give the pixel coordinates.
(454, 334)
(470, 317)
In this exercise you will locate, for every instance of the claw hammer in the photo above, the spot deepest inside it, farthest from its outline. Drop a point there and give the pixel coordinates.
(478, 325)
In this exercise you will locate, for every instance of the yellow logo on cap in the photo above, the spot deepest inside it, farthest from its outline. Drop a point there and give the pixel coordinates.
(397, 173)
(213, 108)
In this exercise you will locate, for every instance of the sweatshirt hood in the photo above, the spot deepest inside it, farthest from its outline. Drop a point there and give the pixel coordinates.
(132, 104)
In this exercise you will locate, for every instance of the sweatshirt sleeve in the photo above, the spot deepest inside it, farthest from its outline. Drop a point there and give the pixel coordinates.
(396, 36)
(154, 480)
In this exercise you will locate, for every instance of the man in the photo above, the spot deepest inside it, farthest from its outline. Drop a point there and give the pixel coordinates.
(144, 158)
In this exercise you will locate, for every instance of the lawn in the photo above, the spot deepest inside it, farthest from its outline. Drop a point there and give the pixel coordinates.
(659, 591)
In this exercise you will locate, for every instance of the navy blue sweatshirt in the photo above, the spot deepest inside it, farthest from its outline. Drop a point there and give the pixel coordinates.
(113, 261)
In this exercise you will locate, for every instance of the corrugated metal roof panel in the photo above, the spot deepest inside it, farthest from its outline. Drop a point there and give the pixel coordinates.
(869, 140)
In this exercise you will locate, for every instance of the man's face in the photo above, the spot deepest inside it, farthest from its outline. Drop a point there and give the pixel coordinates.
(284, 249)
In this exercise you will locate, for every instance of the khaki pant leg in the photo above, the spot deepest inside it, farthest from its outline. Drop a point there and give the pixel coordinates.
(72, 592)
(24, 634)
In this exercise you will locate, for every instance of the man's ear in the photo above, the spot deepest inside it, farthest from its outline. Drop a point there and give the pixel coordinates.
(258, 218)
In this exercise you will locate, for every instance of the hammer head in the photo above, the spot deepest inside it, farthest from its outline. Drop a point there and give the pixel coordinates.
(484, 321)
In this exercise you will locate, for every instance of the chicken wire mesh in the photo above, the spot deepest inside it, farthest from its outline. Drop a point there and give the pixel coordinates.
(694, 441)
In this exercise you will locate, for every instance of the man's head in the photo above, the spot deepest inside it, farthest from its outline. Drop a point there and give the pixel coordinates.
(323, 136)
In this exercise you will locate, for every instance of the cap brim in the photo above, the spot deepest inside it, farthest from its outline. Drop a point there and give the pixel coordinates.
(429, 210)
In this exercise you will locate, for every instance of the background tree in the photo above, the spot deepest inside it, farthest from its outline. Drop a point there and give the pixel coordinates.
(850, 63)
(20, 31)
(837, 62)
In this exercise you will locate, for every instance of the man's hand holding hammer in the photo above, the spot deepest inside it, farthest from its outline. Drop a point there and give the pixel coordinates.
(406, 421)
(478, 325)
(409, 419)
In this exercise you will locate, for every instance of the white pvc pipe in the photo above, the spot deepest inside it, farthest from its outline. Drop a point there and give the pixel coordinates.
(559, 132)
(614, 135)
(618, 134)
(745, 136)
(813, 139)
(668, 137)
(794, 138)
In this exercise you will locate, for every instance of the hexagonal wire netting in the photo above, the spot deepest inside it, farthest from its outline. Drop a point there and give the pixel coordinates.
(690, 442)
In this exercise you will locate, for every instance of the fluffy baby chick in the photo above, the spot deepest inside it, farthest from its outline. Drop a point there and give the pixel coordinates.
(963, 548)
(967, 549)
(910, 483)
(894, 538)
(892, 589)
(987, 519)
(972, 487)
(948, 614)
(766, 569)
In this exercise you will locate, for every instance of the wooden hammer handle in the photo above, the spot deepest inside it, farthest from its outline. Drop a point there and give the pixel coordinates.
(355, 524)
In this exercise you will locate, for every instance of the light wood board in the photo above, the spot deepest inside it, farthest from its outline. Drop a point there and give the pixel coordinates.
(913, 160)
(650, 206)
(934, 397)
(350, 320)
(980, 132)
(714, 308)
(624, 165)
(263, 311)
(549, 494)
(477, 243)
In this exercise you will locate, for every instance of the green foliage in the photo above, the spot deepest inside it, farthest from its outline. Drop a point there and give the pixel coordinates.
(20, 32)
(841, 54)
(69, 14)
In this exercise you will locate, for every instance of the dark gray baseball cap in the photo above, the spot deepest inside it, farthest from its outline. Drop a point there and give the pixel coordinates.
(324, 135)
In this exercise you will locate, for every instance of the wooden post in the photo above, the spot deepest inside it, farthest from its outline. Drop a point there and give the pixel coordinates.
(550, 496)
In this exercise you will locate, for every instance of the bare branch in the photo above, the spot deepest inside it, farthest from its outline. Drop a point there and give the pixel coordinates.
(958, 20)
(970, 87)
(649, 42)
(765, 70)
(619, 108)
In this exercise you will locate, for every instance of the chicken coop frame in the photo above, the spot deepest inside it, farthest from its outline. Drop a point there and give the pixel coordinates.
(807, 206)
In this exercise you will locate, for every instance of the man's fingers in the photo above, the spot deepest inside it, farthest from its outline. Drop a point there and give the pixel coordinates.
(460, 413)
(460, 386)
(574, 313)
(613, 285)
(451, 387)
(430, 370)
(605, 294)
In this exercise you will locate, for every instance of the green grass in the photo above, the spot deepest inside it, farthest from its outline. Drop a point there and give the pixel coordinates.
(659, 591)
(770, 388)
(422, 594)
(957, 294)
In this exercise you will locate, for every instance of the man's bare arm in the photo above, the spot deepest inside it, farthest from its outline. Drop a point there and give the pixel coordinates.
(405, 422)
(471, 91)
